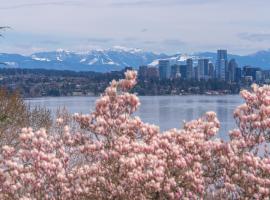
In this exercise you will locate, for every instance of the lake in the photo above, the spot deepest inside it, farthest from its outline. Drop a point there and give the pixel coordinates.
(166, 111)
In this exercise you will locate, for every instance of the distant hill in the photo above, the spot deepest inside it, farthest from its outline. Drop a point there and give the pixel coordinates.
(115, 59)
(94, 60)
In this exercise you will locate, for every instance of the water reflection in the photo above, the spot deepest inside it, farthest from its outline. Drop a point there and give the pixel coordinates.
(166, 111)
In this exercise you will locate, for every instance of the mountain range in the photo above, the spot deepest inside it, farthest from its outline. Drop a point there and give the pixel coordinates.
(115, 59)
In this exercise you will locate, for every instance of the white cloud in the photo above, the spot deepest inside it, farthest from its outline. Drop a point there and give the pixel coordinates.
(199, 24)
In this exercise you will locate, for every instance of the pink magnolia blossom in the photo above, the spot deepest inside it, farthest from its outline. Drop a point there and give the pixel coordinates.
(115, 155)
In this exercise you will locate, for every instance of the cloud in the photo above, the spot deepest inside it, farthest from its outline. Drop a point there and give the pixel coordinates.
(149, 42)
(23, 49)
(100, 40)
(173, 42)
(134, 3)
(144, 30)
(130, 39)
(255, 37)
(139, 3)
(166, 42)
(38, 4)
(50, 42)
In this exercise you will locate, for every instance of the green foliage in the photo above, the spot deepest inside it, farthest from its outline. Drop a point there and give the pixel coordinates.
(16, 114)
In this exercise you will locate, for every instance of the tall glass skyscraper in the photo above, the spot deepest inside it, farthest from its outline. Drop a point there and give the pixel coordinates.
(203, 68)
(189, 68)
(232, 70)
(222, 54)
(164, 69)
(221, 64)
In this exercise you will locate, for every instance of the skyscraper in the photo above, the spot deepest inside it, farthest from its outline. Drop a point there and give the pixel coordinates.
(232, 70)
(221, 64)
(222, 54)
(175, 71)
(189, 68)
(195, 73)
(142, 72)
(183, 71)
(203, 68)
(211, 71)
(152, 72)
(164, 69)
(259, 76)
(238, 74)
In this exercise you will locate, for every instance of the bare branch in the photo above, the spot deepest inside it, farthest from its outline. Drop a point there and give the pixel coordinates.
(3, 28)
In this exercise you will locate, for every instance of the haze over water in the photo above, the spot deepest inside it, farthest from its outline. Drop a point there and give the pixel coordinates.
(166, 111)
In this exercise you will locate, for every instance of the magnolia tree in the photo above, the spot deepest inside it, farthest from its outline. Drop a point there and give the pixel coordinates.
(114, 155)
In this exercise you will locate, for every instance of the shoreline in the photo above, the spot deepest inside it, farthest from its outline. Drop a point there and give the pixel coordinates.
(96, 96)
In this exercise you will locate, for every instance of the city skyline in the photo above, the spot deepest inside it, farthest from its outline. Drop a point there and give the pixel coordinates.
(161, 26)
(224, 69)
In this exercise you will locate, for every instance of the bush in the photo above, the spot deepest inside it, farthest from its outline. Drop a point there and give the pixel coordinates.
(117, 156)
(15, 114)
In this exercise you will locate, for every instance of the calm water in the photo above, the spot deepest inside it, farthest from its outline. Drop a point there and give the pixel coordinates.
(166, 111)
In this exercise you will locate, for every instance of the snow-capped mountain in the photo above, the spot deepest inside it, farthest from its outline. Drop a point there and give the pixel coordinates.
(116, 59)
(94, 60)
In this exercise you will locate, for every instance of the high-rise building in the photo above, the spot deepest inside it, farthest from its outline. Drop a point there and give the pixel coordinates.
(221, 67)
(142, 73)
(183, 71)
(266, 75)
(221, 64)
(222, 54)
(250, 71)
(164, 69)
(200, 69)
(232, 70)
(175, 71)
(203, 69)
(152, 72)
(238, 74)
(259, 76)
(211, 71)
(196, 73)
(189, 68)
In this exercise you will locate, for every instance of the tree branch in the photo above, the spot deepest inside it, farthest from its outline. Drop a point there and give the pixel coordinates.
(3, 28)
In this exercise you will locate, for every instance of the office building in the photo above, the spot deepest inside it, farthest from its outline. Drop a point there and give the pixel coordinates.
(250, 71)
(203, 69)
(196, 73)
(183, 71)
(266, 75)
(164, 69)
(221, 69)
(222, 54)
(175, 71)
(142, 73)
(190, 72)
(152, 72)
(221, 64)
(211, 71)
(232, 70)
(259, 76)
(238, 74)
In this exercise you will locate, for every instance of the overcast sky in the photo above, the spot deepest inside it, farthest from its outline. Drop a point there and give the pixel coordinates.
(170, 26)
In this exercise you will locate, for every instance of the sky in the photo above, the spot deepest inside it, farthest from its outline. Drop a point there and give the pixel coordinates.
(168, 26)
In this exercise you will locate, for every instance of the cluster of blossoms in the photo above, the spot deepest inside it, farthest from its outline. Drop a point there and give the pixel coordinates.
(115, 155)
